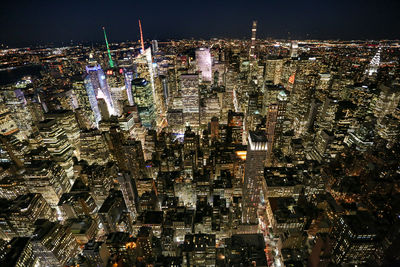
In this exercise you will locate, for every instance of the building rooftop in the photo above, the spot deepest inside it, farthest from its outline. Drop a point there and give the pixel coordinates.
(258, 136)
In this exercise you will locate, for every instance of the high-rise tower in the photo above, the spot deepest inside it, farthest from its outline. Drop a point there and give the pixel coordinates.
(374, 64)
(190, 92)
(294, 47)
(110, 61)
(97, 87)
(56, 141)
(254, 175)
(143, 97)
(203, 62)
(253, 40)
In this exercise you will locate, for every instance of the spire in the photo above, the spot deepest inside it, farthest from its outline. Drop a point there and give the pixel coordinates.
(141, 36)
(375, 62)
(110, 61)
(253, 40)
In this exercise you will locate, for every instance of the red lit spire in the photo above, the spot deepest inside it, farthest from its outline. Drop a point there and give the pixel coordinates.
(141, 36)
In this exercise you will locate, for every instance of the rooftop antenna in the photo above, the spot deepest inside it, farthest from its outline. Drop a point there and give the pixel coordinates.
(141, 36)
(110, 61)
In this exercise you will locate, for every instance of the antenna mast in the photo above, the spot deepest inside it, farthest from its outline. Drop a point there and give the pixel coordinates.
(110, 61)
(141, 36)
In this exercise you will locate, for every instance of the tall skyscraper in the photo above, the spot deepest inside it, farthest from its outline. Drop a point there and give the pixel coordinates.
(154, 46)
(294, 46)
(117, 85)
(272, 118)
(96, 84)
(58, 145)
(67, 122)
(85, 113)
(374, 64)
(191, 99)
(253, 40)
(387, 101)
(145, 69)
(47, 178)
(254, 175)
(53, 243)
(203, 61)
(354, 239)
(91, 94)
(129, 192)
(143, 98)
(128, 85)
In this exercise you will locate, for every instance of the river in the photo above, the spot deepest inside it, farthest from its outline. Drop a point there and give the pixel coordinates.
(8, 76)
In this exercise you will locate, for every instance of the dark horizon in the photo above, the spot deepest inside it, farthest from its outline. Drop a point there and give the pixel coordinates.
(26, 23)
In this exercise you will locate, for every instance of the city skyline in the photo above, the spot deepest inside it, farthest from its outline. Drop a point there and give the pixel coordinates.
(199, 152)
(26, 23)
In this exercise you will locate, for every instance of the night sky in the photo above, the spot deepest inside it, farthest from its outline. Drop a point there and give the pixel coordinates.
(27, 22)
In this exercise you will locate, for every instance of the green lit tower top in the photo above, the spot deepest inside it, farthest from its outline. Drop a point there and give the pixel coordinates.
(108, 50)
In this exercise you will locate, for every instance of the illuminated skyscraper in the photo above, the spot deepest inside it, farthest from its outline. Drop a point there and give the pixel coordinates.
(254, 175)
(67, 121)
(191, 100)
(253, 40)
(387, 101)
(85, 113)
(354, 239)
(128, 85)
(53, 243)
(374, 64)
(203, 61)
(272, 118)
(47, 178)
(15, 213)
(129, 192)
(18, 252)
(117, 84)
(235, 122)
(97, 87)
(294, 46)
(58, 144)
(154, 46)
(143, 98)
(145, 69)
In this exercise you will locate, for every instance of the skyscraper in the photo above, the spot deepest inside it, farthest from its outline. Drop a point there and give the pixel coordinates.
(253, 40)
(96, 84)
(191, 99)
(154, 46)
(86, 116)
(375, 62)
(294, 46)
(58, 145)
(272, 118)
(354, 239)
(254, 175)
(91, 94)
(203, 61)
(128, 85)
(143, 98)
(53, 243)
